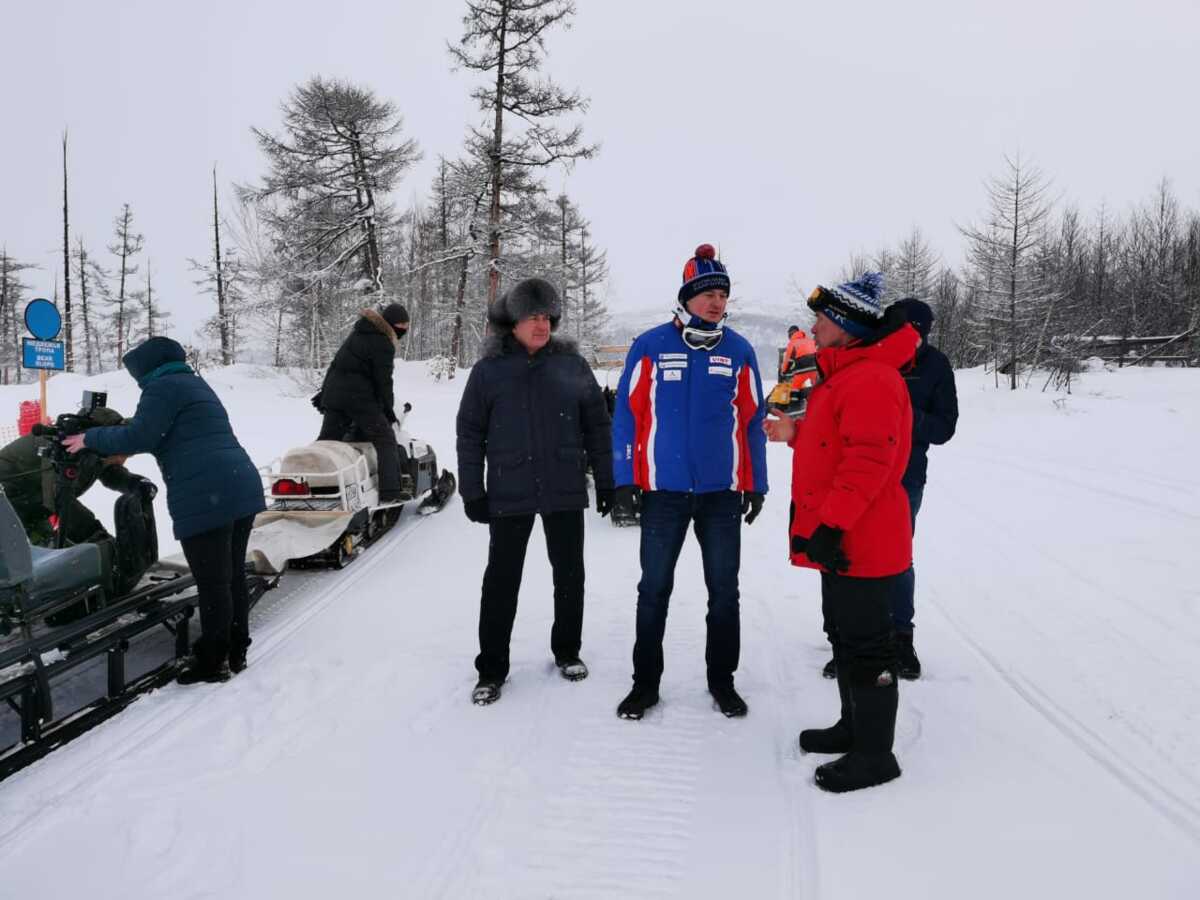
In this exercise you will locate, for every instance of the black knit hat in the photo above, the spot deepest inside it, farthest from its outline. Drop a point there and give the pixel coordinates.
(531, 297)
(395, 314)
(919, 315)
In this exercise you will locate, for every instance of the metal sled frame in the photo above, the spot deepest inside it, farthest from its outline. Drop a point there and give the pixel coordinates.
(26, 677)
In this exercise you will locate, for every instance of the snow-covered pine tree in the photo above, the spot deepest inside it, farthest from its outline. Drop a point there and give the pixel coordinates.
(324, 201)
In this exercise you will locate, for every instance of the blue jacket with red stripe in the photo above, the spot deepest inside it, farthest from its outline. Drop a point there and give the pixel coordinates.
(690, 420)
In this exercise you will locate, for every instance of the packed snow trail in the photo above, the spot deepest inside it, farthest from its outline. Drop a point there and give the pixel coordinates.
(1050, 749)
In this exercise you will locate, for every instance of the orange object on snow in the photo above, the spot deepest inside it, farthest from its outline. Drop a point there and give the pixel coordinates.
(30, 415)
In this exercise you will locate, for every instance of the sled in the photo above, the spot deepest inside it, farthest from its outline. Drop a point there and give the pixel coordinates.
(323, 504)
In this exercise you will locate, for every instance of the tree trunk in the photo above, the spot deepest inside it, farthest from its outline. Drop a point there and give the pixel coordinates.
(67, 329)
(121, 291)
(496, 158)
(222, 311)
(459, 303)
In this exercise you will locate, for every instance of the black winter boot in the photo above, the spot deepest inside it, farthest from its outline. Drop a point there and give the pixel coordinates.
(196, 672)
(838, 738)
(637, 701)
(871, 761)
(910, 666)
(729, 700)
(486, 692)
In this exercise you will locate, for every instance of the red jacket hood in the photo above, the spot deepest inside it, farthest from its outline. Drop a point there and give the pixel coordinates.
(896, 351)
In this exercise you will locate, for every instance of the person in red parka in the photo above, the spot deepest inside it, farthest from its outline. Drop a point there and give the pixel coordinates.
(850, 517)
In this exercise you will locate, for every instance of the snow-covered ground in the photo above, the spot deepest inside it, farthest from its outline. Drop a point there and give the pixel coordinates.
(1051, 750)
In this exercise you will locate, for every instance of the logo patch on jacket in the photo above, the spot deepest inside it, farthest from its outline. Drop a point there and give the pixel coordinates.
(720, 360)
(720, 370)
(672, 374)
(663, 356)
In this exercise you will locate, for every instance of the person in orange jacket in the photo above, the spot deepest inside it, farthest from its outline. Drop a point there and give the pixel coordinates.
(799, 345)
(850, 517)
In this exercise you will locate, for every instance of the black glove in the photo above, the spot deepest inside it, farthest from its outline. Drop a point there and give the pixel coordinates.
(825, 549)
(628, 497)
(604, 500)
(407, 407)
(316, 401)
(144, 486)
(752, 502)
(477, 510)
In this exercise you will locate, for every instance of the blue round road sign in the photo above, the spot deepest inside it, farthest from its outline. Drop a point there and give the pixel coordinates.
(43, 319)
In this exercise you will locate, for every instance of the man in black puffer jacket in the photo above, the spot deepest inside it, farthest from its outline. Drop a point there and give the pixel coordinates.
(357, 392)
(532, 417)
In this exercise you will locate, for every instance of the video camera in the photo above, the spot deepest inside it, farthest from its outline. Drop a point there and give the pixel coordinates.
(64, 426)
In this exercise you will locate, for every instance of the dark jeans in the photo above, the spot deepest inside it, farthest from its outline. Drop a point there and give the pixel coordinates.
(374, 427)
(858, 622)
(716, 519)
(502, 583)
(217, 559)
(902, 602)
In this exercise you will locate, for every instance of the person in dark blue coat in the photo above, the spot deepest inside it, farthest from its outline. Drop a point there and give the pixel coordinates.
(531, 420)
(213, 493)
(930, 382)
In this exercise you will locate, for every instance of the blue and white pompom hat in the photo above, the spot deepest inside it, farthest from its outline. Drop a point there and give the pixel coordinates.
(855, 306)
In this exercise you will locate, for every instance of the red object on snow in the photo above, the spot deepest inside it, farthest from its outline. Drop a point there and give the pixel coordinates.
(30, 415)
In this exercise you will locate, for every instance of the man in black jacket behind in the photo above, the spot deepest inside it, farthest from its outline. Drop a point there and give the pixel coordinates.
(534, 414)
(357, 392)
(930, 382)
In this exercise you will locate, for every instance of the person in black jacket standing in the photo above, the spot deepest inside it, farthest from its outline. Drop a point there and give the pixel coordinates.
(357, 392)
(532, 417)
(930, 382)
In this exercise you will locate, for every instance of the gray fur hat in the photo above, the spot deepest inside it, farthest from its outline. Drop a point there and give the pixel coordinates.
(526, 298)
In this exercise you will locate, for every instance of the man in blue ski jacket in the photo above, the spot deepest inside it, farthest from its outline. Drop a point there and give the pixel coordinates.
(689, 449)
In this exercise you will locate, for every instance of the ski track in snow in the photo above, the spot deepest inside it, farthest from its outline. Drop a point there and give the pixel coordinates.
(1162, 799)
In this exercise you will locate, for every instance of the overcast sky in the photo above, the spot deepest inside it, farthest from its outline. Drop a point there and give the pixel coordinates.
(789, 133)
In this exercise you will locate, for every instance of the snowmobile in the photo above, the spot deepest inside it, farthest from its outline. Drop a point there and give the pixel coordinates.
(790, 395)
(64, 607)
(323, 503)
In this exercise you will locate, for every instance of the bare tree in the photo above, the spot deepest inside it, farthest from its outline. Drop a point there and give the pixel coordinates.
(506, 40)
(1006, 249)
(91, 279)
(12, 299)
(126, 244)
(68, 330)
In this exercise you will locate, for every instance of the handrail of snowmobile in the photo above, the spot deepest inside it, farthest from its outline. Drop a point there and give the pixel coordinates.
(357, 472)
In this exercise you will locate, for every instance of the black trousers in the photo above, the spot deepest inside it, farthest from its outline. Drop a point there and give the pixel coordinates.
(217, 559)
(858, 621)
(374, 427)
(502, 583)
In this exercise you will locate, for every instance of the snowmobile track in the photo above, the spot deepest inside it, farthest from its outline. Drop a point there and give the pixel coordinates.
(1179, 812)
